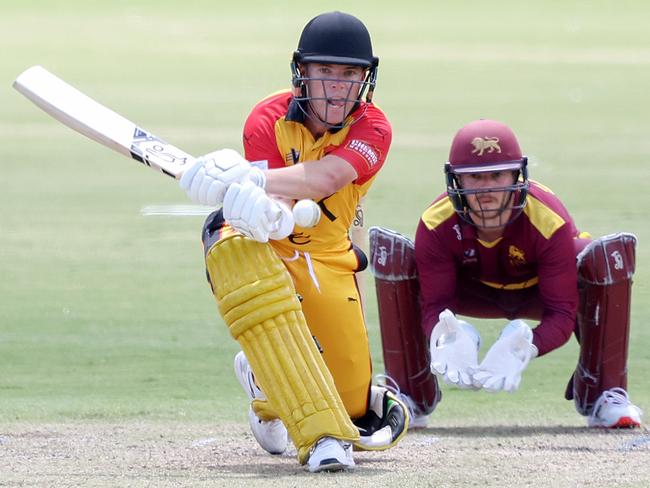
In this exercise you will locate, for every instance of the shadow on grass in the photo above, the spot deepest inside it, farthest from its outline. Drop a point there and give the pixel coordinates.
(505, 431)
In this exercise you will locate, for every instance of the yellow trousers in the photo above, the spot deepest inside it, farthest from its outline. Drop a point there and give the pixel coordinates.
(332, 307)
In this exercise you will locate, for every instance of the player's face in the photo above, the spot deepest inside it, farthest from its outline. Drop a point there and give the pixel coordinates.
(333, 90)
(489, 208)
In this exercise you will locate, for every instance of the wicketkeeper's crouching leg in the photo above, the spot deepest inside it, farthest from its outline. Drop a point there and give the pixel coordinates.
(605, 269)
(258, 302)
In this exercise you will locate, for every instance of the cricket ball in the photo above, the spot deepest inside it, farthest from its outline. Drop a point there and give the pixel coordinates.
(306, 213)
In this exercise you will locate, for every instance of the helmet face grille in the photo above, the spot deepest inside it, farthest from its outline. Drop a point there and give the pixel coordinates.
(513, 201)
(355, 93)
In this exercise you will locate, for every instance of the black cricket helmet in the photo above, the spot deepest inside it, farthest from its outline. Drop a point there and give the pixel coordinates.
(486, 146)
(334, 38)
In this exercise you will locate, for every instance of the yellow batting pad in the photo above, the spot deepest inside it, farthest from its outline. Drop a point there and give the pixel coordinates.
(258, 302)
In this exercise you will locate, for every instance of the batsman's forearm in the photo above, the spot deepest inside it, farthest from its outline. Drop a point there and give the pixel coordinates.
(312, 179)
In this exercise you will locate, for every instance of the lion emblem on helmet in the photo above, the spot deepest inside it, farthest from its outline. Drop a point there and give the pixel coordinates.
(483, 144)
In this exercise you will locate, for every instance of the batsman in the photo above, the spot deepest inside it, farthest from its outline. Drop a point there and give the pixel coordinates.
(499, 245)
(288, 293)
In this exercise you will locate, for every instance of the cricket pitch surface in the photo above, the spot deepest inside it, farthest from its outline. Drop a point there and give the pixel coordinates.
(149, 454)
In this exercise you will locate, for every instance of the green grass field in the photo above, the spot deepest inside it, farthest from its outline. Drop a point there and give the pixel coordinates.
(105, 315)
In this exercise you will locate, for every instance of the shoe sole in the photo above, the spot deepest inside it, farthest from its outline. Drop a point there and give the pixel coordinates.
(625, 423)
(330, 465)
(621, 423)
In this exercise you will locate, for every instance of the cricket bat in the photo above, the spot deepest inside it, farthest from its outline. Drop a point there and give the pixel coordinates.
(90, 118)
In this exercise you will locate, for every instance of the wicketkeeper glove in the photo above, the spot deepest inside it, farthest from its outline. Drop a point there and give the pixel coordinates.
(507, 358)
(208, 179)
(454, 346)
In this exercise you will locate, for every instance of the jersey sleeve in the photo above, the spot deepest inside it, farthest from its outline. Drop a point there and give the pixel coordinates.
(367, 144)
(436, 275)
(259, 137)
(558, 279)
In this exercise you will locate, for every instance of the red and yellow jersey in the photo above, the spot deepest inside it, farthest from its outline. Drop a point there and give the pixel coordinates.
(273, 135)
(536, 249)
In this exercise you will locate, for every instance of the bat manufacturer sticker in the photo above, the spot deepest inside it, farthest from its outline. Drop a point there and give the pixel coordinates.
(146, 148)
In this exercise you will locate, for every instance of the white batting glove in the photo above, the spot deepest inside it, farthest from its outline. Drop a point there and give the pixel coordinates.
(454, 349)
(503, 364)
(285, 224)
(249, 210)
(207, 181)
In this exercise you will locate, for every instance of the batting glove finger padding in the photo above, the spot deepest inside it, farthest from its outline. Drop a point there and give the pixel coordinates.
(285, 223)
(195, 184)
(249, 210)
(206, 184)
(215, 194)
(207, 181)
(186, 180)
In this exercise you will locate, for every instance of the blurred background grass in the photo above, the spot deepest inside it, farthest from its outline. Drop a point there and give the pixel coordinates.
(105, 314)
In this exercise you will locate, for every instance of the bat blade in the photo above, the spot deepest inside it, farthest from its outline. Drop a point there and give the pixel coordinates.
(92, 119)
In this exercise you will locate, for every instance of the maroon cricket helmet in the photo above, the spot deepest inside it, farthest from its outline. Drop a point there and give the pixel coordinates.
(485, 146)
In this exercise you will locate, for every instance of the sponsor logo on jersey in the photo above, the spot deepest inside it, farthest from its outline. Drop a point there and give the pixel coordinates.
(365, 150)
(483, 144)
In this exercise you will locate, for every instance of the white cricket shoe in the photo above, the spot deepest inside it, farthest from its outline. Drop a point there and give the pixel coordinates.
(614, 410)
(272, 435)
(330, 454)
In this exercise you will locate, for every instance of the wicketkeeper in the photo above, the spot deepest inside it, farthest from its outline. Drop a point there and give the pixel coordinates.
(498, 245)
(288, 293)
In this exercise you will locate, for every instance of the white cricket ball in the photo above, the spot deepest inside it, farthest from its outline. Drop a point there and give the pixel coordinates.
(306, 213)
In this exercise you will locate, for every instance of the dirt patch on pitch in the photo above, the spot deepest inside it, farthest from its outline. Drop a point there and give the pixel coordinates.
(162, 455)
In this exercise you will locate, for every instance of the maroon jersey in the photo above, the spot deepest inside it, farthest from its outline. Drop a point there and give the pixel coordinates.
(535, 256)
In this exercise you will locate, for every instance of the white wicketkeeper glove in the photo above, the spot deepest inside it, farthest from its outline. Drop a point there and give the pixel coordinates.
(207, 181)
(507, 358)
(249, 210)
(454, 349)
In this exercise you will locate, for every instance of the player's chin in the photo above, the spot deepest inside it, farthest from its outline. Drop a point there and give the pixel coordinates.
(487, 214)
(335, 114)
